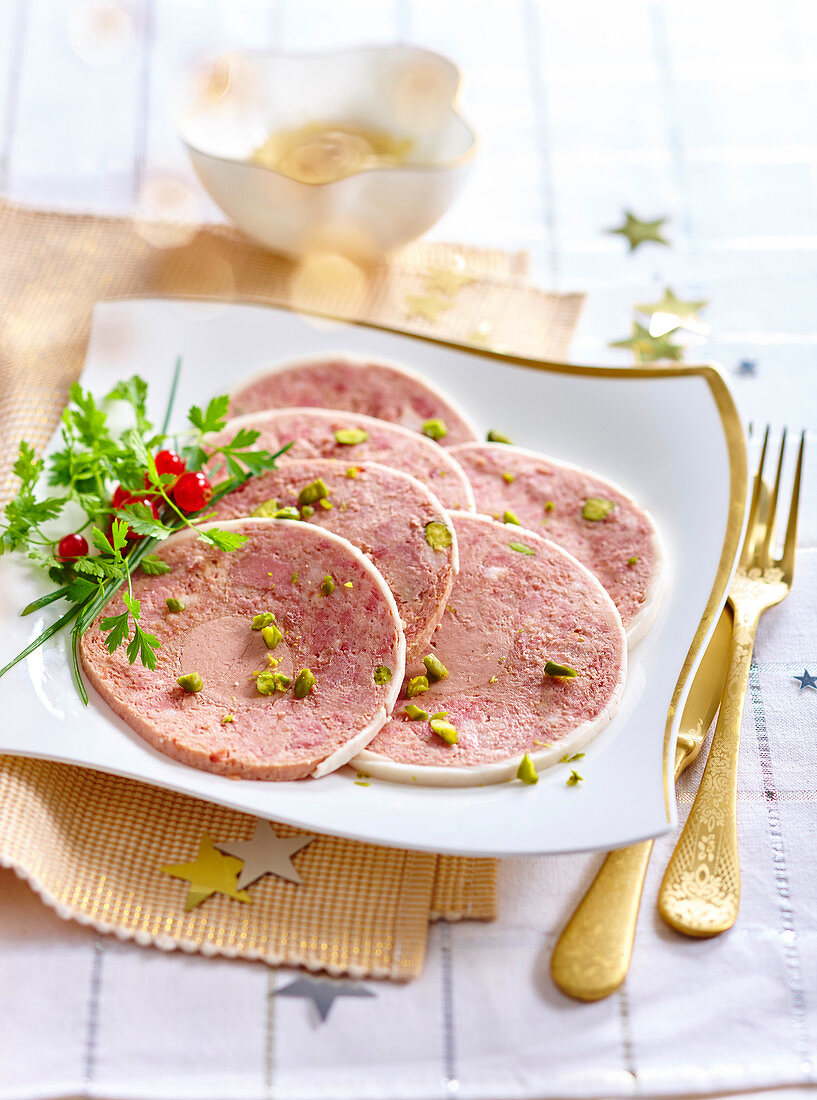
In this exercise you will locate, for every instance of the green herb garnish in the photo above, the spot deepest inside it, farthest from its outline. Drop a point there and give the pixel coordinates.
(82, 472)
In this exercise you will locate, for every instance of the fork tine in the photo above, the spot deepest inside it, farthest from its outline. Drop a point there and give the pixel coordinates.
(787, 561)
(754, 508)
(772, 512)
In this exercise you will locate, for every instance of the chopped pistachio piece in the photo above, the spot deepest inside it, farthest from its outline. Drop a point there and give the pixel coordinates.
(289, 512)
(172, 604)
(435, 669)
(269, 681)
(304, 682)
(565, 672)
(508, 477)
(307, 511)
(271, 635)
(574, 779)
(526, 770)
(571, 759)
(227, 718)
(416, 686)
(294, 578)
(549, 506)
(348, 584)
(509, 517)
(352, 472)
(521, 548)
(313, 492)
(265, 510)
(497, 437)
(444, 730)
(435, 429)
(327, 504)
(382, 674)
(191, 682)
(438, 535)
(596, 508)
(264, 618)
(415, 713)
(493, 680)
(633, 560)
(327, 586)
(348, 437)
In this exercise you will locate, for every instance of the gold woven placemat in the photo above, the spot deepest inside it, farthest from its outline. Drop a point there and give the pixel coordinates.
(91, 844)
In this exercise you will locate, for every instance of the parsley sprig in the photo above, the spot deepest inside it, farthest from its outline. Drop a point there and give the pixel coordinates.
(73, 487)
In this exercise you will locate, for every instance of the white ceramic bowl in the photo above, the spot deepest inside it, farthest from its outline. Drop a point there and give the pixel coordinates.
(405, 91)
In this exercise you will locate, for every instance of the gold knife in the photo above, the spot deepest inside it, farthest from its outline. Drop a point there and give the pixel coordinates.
(592, 955)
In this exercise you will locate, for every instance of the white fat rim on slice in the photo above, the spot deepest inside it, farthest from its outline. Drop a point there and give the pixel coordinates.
(354, 745)
(362, 361)
(642, 622)
(251, 420)
(499, 771)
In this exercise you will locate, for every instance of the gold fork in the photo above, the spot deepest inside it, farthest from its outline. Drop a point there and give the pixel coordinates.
(700, 892)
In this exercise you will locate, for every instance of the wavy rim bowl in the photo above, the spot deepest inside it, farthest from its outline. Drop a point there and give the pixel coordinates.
(223, 78)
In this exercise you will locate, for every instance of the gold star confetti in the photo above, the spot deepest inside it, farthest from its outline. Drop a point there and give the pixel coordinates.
(447, 280)
(674, 306)
(209, 873)
(266, 853)
(647, 348)
(638, 232)
(428, 306)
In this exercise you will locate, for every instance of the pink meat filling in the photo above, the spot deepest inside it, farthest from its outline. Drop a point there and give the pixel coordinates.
(382, 511)
(342, 638)
(509, 614)
(358, 386)
(312, 434)
(549, 497)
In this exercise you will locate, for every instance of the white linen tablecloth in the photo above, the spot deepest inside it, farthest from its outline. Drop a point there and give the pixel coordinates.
(80, 1013)
(703, 110)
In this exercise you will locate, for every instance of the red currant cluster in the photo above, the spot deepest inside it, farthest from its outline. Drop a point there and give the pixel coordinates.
(191, 491)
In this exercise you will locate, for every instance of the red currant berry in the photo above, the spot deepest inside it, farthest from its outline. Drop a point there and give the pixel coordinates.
(169, 462)
(121, 496)
(193, 491)
(72, 546)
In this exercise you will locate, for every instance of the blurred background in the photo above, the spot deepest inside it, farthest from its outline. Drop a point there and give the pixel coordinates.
(703, 112)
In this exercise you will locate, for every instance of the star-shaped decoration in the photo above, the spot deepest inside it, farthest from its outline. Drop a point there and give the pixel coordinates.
(209, 873)
(647, 348)
(322, 992)
(674, 306)
(806, 680)
(747, 366)
(447, 280)
(638, 232)
(428, 306)
(266, 853)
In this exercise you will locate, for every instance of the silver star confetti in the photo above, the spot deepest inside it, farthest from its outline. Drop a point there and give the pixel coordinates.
(266, 853)
(322, 992)
(806, 680)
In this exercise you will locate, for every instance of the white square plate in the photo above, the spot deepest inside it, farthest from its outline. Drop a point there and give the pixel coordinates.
(669, 435)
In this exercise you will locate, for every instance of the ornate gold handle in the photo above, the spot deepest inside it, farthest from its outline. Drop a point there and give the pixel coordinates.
(700, 893)
(592, 957)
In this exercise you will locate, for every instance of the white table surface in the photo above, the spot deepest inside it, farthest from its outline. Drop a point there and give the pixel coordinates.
(701, 110)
